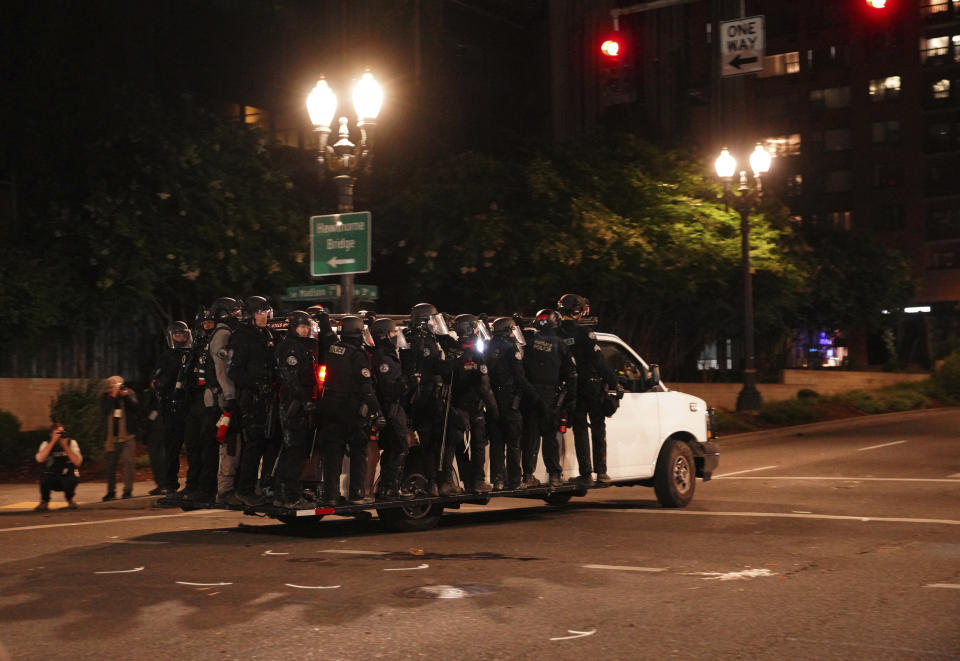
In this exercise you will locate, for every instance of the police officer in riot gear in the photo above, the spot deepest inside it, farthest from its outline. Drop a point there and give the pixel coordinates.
(429, 372)
(226, 313)
(510, 385)
(296, 372)
(326, 337)
(471, 398)
(202, 413)
(351, 412)
(595, 378)
(170, 382)
(391, 385)
(552, 371)
(251, 369)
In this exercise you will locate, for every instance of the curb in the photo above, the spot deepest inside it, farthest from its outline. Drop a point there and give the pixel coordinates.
(827, 425)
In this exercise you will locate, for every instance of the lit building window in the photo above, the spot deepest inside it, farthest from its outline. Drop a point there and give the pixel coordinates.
(256, 116)
(884, 88)
(783, 145)
(794, 184)
(831, 97)
(940, 50)
(941, 89)
(780, 64)
(841, 219)
(886, 132)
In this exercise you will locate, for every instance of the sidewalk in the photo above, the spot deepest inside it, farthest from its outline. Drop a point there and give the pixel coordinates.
(24, 497)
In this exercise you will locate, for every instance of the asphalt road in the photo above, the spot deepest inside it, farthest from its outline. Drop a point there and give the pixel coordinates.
(841, 542)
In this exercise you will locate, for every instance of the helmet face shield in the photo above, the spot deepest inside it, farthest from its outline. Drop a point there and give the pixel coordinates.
(179, 338)
(306, 329)
(436, 325)
(517, 336)
(367, 337)
(482, 331)
(399, 340)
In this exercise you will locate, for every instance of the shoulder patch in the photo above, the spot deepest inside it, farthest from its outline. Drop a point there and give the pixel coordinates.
(483, 369)
(291, 360)
(384, 368)
(426, 351)
(570, 341)
(338, 350)
(365, 373)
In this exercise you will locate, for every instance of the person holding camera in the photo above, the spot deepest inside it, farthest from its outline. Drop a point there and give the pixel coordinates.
(60, 457)
(119, 406)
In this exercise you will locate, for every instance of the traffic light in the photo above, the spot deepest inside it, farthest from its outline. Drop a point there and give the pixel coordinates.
(610, 48)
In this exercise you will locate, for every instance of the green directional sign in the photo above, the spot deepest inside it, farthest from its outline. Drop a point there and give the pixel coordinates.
(366, 292)
(312, 293)
(340, 243)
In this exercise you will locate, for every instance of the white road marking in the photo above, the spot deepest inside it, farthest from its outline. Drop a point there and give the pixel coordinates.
(94, 523)
(120, 571)
(131, 541)
(954, 475)
(353, 552)
(423, 566)
(952, 586)
(851, 479)
(274, 553)
(208, 585)
(732, 575)
(624, 568)
(790, 515)
(882, 445)
(312, 587)
(749, 470)
(577, 634)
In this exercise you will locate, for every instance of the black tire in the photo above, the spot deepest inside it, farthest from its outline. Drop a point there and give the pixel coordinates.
(412, 518)
(299, 522)
(558, 499)
(675, 479)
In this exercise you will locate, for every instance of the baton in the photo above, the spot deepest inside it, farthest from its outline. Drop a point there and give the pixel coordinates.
(446, 418)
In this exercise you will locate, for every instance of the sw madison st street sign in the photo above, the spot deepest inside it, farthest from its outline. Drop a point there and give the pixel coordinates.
(340, 244)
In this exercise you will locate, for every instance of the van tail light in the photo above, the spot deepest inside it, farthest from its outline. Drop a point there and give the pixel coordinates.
(321, 376)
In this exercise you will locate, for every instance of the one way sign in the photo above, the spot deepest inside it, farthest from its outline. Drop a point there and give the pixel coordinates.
(741, 46)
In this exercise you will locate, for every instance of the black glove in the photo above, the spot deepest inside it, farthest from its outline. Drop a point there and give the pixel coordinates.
(230, 405)
(310, 406)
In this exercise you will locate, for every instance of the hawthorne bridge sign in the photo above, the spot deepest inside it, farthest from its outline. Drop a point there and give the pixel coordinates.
(340, 244)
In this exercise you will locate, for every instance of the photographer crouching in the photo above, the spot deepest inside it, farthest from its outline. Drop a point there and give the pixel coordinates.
(60, 457)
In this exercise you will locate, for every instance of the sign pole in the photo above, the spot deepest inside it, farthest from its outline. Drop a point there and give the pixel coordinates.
(345, 205)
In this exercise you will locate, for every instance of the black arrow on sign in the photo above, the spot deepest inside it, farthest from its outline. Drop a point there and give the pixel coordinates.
(737, 61)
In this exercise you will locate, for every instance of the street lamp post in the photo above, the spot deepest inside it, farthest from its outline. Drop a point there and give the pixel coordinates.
(743, 200)
(345, 160)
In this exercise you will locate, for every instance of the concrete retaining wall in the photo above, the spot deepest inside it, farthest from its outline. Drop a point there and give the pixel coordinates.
(29, 399)
(724, 395)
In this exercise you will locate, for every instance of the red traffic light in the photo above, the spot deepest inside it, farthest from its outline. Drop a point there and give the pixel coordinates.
(877, 4)
(610, 48)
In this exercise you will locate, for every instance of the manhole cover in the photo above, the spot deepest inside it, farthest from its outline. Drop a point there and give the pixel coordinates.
(447, 591)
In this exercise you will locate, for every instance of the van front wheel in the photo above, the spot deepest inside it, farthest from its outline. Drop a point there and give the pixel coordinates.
(676, 475)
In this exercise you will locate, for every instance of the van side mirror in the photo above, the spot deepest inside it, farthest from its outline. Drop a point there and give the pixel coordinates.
(654, 376)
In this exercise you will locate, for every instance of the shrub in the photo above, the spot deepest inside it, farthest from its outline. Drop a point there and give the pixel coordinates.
(947, 378)
(77, 406)
(789, 412)
(12, 453)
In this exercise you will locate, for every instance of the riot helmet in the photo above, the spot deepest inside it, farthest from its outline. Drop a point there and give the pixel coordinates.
(387, 329)
(546, 319)
(179, 336)
(224, 308)
(426, 316)
(258, 310)
(299, 324)
(353, 329)
(505, 327)
(573, 305)
(322, 317)
(204, 320)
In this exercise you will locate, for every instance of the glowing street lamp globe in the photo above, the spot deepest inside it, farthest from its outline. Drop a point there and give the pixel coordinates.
(367, 97)
(760, 160)
(725, 164)
(322, 104)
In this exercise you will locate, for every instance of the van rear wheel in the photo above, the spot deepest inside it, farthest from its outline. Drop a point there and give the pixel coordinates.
(675, 478)
(411, 518)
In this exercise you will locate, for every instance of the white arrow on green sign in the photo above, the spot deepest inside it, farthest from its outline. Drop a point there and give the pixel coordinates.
(340, 243)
